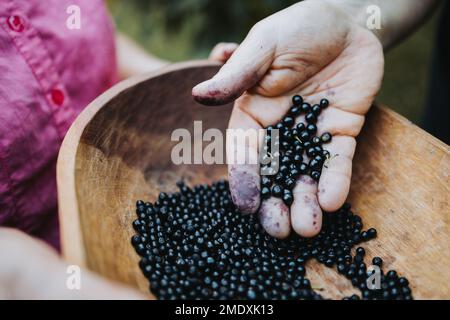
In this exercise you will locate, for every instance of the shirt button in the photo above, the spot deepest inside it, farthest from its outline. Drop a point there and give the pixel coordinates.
(57, 96)
(16, 23)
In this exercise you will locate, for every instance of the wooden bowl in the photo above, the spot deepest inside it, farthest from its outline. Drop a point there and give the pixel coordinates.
(118, 150)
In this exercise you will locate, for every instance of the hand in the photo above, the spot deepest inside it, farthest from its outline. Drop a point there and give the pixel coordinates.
(316, 50)
(29, 269)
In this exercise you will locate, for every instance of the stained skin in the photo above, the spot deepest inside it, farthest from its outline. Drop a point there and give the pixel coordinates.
(245, 187)
(318, 51)
(274, 217)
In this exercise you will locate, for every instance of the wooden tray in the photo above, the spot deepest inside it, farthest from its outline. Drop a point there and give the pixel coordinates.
(118, 151)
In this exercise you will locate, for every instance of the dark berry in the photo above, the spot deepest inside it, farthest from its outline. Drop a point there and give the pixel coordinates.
(277, 191)
(316, 109)
(324, 103)
(392, 274)
(288, 198)
(306, 107)
(311, 117)
(326, 137)
(294, 111)
(303, 168)
(265, 192)
(285, 160)
(300, 126)
(316, 140)
(297, 100)
(311, 152)
(136, 239)
(312, 129)
(315, 175)
(372, 233)
(283, 169)
(377, 261)
(265, 181)
(360, 251)
(294, 173)
(289, 183)
(403, 281)
(288, 121)
(304, 136)
(251, 294)
(298, 159)
(314, 164)
(195, 244)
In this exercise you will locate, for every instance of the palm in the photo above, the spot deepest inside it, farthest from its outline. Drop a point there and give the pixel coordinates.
(344, 63)
(348, 71)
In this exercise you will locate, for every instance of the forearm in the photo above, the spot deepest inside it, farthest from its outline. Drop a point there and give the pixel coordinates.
(132, 59)
(398, 17)
(29, 269)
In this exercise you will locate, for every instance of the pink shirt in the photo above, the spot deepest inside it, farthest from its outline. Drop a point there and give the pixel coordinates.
(48, 74)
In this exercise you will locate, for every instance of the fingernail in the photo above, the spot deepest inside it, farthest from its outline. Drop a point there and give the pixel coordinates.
(245, 187)
(274, 217)
(306, 215)
(205, 94)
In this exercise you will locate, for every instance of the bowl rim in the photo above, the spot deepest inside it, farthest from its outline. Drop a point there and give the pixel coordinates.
(71, 236)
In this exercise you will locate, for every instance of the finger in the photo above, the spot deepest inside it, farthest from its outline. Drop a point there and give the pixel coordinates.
(274, 217)
(245, 187)
(306, 215)
(339, 122)
(266, 111)
(334, 183)
(332, 120)
(283, 77)
(223, 51)
(242, 71)
(242, 158)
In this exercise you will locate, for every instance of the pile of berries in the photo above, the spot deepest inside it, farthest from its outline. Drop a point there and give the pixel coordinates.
(299, 150)
(195, 244)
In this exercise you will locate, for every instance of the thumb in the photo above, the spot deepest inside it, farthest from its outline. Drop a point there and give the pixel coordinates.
(243, 70)
(223, 51)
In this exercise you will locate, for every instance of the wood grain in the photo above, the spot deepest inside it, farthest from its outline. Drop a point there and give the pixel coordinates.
(118, 151)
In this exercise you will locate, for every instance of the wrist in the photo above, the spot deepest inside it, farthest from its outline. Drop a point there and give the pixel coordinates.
(360, 14)
(389, 21)
(355, 10)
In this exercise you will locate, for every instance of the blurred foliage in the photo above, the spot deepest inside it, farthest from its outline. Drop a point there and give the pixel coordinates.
(407, 71)
(187, 29)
